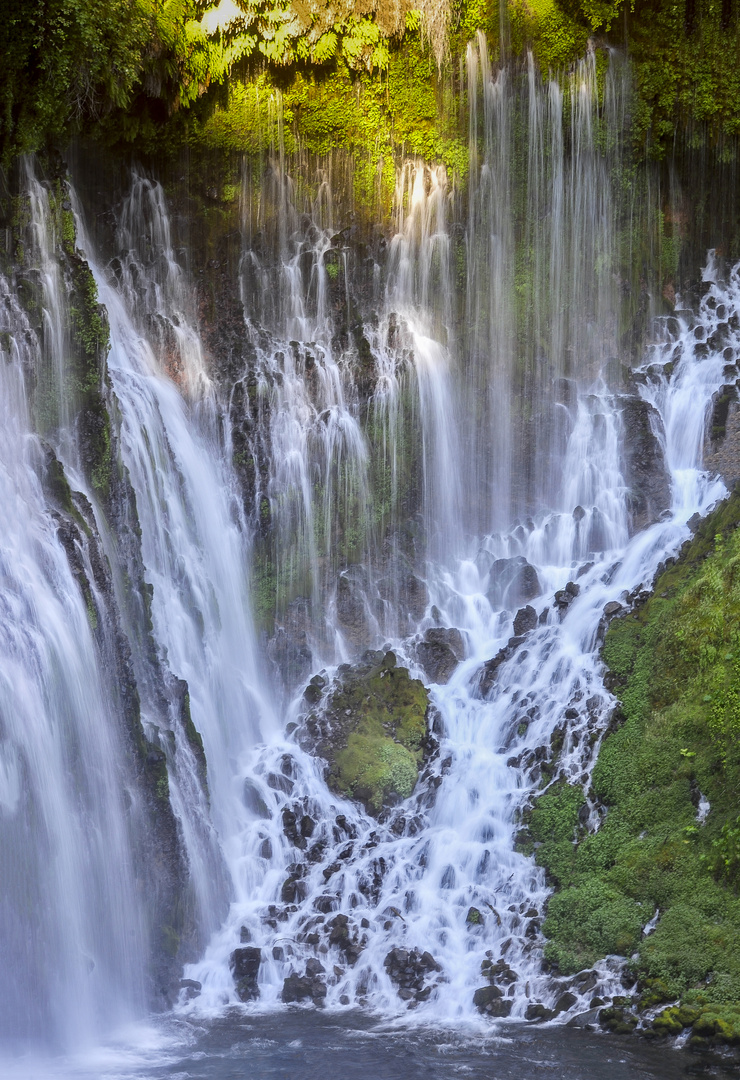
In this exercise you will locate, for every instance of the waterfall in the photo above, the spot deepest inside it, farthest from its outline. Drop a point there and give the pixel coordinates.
(73, 930)
(420, 424)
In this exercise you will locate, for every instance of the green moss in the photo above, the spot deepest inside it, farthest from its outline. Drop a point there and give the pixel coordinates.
(672, 663)
(589, 921)
(378, 726)
(372, 767)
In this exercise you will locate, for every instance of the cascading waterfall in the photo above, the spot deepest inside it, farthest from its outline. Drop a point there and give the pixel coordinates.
(469, 429)
(73, 931)
(194, 543)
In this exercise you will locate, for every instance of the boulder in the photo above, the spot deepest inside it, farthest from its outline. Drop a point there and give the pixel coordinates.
(525, 620)
(644, 466)
(490, 1000)
(408, 969)
(512, 582)
(372, 731)
(440, 652)
(245, 966)
(303, 987)
(538, 1012)
(565, 1001)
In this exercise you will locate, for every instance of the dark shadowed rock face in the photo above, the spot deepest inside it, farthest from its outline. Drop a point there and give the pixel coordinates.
(245, 966)
(352, 609)
(440, 652)
(524, 620)
(512, 582)
(644, 466)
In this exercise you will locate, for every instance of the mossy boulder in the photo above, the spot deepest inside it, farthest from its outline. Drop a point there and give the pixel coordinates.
(370, 725)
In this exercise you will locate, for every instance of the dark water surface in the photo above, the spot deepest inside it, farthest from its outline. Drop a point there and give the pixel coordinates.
(302, 1045)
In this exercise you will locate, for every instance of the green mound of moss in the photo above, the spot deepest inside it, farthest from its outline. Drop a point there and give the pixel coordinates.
(373, 731)
(675, 665)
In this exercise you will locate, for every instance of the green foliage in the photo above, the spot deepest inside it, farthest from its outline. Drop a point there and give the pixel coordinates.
(555, 37)
(588, 922)
(672, 662)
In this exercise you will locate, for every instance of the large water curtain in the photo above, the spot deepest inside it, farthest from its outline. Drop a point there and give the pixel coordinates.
(73, 928)
(542, 300)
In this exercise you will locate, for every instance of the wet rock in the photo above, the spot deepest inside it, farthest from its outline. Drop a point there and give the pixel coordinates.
(538, 1012)
(408, 970)
(525, 620)
(301, 988)
(312, 693)
(293, 891)
(612, 608)
(498, 972)
(644, 466)
(413, 596)
(564, 597)
(278, 782)
(245, 966)
(191, 987)
(314, 967)
(565, 1002)
(474, 917)
(584, 981)
(291, 655)
(352, 609)
(253, 800)
(489, 671)
(372, 731)
(618, 1020)
(440, 652)
(490, 1000)
(513, 582)
(290, 828)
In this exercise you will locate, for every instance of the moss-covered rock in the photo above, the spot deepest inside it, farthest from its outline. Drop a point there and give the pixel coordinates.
(370, 725)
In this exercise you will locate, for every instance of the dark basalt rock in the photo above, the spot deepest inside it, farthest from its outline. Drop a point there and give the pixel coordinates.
(490, 1000)
(490, 668)
(565, 1001)
(538, 1012)
(644, 466)
(513, 582)
(566, 596)
(303, 987)
(440, 652)
(245, 966)
(525, 620)
(408, 969)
